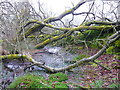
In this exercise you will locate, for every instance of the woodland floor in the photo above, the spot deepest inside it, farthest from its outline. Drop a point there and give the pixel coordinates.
(95, 76)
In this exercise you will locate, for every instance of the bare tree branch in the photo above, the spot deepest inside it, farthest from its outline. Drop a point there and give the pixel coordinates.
(101, 23)
(49, 20)
(110, 40)
(87, 26)
(65, 13)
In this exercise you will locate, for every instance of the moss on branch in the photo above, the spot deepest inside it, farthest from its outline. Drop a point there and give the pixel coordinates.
(31, 30)
(39, 25)
(52, 19)
(92, 27)
(16, 56)
(110, 40)
(47, 41)
(100, 23)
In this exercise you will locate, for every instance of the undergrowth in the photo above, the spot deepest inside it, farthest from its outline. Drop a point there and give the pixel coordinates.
(56, 80)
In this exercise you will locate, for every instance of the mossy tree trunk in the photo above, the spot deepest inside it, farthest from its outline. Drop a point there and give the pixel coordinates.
(110, 40)
(39, 26)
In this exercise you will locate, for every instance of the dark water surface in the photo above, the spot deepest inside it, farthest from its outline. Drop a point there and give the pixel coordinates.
(51, 56)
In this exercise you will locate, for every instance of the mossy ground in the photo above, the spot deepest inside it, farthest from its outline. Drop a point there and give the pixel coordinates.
(56, 80)
(58, 77)
(29, 81)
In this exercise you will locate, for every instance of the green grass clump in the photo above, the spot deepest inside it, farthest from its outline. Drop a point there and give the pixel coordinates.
(58, 77)
(30, 81)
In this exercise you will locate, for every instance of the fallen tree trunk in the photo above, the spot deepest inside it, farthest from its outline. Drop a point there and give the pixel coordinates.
(110, 40)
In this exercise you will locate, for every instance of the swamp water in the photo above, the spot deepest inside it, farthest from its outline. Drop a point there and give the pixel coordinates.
(52, 56)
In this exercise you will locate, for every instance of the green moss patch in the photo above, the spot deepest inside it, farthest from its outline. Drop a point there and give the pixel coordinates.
(34, 81)
(30, 81)
(58, 77)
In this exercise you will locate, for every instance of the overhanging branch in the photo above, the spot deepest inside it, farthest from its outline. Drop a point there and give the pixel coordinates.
(49, 20)
(110, 40)
(101, 23)
(81, 27)
(65, 13)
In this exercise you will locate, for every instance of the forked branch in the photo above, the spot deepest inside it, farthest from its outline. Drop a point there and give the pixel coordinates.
(110, 40)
